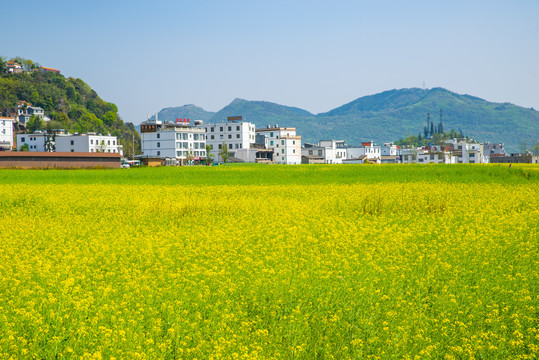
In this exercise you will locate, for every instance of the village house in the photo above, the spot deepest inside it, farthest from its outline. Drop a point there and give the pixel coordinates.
(13, 67)
(515, 158)
(180, 142)
(284, 142)
(238, 135)
(41, 141)
(6, 133)
(25, 111)
(367, 152)
(325, 152)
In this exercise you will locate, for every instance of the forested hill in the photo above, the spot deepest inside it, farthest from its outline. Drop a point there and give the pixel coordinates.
(70, 103)
(391, 115)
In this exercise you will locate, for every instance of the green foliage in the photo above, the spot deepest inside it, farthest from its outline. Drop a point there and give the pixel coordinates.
(35, 123)
(223, 152)
(436, 138)
(24, 147)
(71, 103)
(209, 155)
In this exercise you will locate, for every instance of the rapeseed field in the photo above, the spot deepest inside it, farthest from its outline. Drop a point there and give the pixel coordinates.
(270, 262)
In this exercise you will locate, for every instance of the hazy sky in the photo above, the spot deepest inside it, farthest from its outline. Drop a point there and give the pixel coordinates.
(317, 55)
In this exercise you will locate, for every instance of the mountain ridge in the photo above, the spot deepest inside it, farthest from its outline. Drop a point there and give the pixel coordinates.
(391, 115)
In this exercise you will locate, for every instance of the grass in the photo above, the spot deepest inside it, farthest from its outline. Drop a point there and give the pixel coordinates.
(252, 174)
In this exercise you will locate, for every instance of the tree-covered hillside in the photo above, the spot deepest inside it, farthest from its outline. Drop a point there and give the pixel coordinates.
(70, 103)
(396, 114)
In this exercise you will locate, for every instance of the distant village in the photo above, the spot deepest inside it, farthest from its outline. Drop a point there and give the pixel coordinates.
(182, 142)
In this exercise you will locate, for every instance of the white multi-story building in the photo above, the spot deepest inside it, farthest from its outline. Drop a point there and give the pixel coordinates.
(6, 133)
(236, 134)
(453, 151)
(284, 142)
(87, 143)
(35, 141)
(389, 149)
(62, 142)
(466, 151)
(367, 150)
(332, 151)
(181, 141)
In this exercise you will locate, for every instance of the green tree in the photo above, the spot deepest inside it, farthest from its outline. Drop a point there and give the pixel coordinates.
(24, 147)
(523, 147)
(223, 152)
(3, 67)
(209, 155)
(35, 123)
(536, 148)
(109, 118)
(190, 157)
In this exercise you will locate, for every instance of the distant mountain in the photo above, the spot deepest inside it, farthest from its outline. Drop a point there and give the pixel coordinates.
(261, 112)
(388, 116)
(191, 112)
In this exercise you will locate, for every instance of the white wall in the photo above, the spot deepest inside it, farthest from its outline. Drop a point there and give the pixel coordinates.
(177, 142)
(87, 143)
(237, 135)
(6, 131)
(36, 142)
(285, 144)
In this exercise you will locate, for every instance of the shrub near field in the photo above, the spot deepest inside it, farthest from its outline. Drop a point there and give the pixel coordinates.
(231, 262)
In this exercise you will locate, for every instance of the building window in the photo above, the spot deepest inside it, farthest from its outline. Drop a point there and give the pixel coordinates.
(294, 151)
(212, 137)
(72, 142)
(282, 158)
(293, 142)
(237, 146)
(319, 152)
(282, 142)
(271, 134)
(230, 128)
(159, 136)
(237, 128)
(212, 129)
(229, 136)
(271, 143)
(158, 153)
(91, 141)
(72, 150)
(158, 144)
(220, 146)
(108, 142)
(221, 129)
(237, 136)
(22, 139)
(310, 152)
(230, 146)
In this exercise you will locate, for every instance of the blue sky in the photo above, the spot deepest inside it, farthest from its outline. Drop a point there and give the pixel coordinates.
(317, 55)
